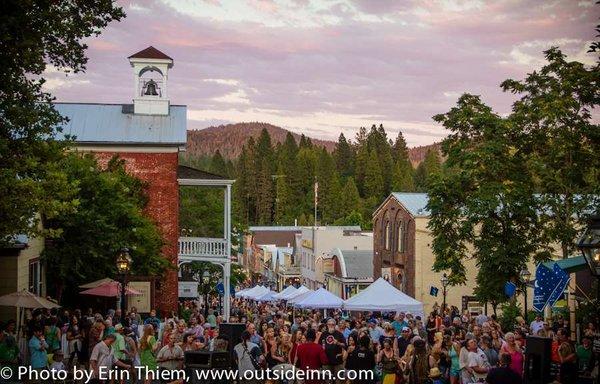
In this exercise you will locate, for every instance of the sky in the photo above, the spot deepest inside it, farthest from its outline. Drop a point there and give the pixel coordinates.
(325, 67)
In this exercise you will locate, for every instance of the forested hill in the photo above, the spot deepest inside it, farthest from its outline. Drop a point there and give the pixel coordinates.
(230, 138)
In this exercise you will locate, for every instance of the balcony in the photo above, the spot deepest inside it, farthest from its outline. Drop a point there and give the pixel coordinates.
(202, 249)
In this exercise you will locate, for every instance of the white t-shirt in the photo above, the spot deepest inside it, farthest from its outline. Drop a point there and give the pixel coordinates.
(536, 326)
(103, 355)
(478, 359)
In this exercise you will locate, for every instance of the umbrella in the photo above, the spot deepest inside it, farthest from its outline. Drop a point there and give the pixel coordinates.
(96, 283)
(111, 289)
(26, 299)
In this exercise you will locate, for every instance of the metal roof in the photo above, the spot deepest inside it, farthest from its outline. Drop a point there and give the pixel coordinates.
(415, 203)
(570, 265)
(185, 172)
(358, 263)
(116, 124)
(274, 228)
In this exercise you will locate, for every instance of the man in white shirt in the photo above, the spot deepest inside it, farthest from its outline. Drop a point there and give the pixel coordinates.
(170, 357)
(477, 364)
(103, 358)
(536, 325)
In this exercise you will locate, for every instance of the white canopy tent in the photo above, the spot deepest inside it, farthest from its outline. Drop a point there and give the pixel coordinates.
(300, 297)
(257, 290)
(296, 293)
(384, 297)
(288, 290)
(241, 293)
(320, 299)
(267, 296)
(258, 293)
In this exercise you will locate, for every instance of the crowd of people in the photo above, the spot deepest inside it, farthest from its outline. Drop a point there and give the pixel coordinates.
(449, 347)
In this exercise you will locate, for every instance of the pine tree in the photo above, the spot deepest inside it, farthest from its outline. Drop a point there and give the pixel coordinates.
(218, 165)
(403, 177)
(351, 197)
(373, 177)
(264, 197)
(344, 157)
(430, 166)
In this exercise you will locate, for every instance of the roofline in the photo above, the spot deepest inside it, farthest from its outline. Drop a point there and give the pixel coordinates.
(205, 182)
(93, 103)
(390, 196)
(128, 143)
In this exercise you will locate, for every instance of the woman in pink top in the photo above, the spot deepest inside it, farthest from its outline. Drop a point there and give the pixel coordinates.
(512, 348)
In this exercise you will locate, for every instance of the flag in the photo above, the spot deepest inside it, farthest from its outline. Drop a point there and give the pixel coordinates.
(543, 287)
(563, 280)
(509, 288)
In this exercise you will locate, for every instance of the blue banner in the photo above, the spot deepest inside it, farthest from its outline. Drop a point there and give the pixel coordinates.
(563, 281)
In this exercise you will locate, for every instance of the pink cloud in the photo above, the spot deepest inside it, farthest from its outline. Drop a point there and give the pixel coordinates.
(404, 66)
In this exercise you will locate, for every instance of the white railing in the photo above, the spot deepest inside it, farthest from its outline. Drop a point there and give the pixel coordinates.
(202, 247)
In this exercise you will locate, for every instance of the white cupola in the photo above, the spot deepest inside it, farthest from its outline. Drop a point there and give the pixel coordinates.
(150, 73)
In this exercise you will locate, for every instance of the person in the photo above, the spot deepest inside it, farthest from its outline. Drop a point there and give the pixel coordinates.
(536, 324)
(453, 354)
(333, 343)
(119, 347)
(375, 331)
(403, 340)
(431, 328)
(170, 357)
(567, 358)
(9, 353)
(503, 374)
(148, 348)
(57, 362)
(247, 356)
(153, 320)
(586, 356)
(74, 337)
(310, 355)
(516, 354)
(477, 364)
(96, 333)
(362, 359)
(399, 322)
(38, 350)
(490, 353)
(435, 376)
(419, 371)
(52, 334)
(103, 358)
(388, 361)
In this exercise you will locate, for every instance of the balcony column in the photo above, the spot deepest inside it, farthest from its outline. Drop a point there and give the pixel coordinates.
(227, 264)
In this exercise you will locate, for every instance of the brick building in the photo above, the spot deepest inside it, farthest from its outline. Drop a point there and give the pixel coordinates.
(148, 135)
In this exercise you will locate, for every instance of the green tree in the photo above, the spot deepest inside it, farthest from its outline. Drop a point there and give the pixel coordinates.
(350, 197)
(430, 167)
(218, 165)
(554, 110)
(486, 203)
(109, 216)
(33, 35)
(344, 157)
(373, 177)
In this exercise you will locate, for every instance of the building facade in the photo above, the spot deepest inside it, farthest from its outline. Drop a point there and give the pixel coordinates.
(403, 254)
(148, 135)
(351, 271)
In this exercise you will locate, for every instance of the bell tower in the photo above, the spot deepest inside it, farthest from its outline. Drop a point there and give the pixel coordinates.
(150, 74)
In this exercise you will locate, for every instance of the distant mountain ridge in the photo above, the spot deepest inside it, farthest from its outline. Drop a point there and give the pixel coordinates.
(230, 138)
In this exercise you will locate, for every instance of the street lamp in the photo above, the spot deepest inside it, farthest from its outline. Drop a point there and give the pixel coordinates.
(589, 245)
(444, 280)
(205, 288)
(123, 268)
(525, 276)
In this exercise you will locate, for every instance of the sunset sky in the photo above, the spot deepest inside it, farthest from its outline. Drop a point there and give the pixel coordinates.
(325, 67)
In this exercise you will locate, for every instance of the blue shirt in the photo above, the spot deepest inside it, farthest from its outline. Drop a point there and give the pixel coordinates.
(346, 333)
(39, 357)
(398, 325)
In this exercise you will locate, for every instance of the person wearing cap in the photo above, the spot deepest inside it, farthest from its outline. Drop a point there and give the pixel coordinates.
(399, 322)
(375, 331)
(404, 340)
(333, 343)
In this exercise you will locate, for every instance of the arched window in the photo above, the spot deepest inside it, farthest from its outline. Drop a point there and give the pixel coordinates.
(400, 241)
(388, 232)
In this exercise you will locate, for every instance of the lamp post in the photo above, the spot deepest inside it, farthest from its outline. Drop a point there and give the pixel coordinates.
(205, 288)
(444, 280)
(589, 245)
(123, 268)
(525, 276)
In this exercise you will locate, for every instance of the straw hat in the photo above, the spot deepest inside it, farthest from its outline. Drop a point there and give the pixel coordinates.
(434, 373)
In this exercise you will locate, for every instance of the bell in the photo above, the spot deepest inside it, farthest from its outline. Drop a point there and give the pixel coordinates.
(151, 89)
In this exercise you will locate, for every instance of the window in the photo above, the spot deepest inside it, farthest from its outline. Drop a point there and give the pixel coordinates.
(387, 236)
(401, 237)
(35, 277)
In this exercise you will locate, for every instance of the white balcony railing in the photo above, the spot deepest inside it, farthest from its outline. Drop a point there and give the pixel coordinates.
(190, 247)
